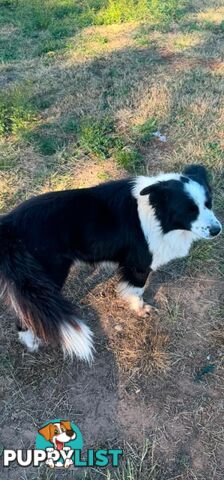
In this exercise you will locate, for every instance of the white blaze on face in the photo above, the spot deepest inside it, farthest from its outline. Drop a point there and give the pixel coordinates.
(61, 436)
(206, 225)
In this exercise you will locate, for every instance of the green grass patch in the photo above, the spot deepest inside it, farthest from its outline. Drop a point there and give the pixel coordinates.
(60, 18)
(91, 136)
(16, 111)
(71, 125)
(47, 145)
(214, 154)
(104, 176)
(97, 38)
(200, 257)
(129, 158)
(7, 163)
(47, 138)
(63, 17)
(201, 26)
(8, 158)
(98, 136)
(12, 47)
(142, 40)
(144, 132)
(54, 15)
(119, 11)
(43, 100)
(42, 28)
(50, 45)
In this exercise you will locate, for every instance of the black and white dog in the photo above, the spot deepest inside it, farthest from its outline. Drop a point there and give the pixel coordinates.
(139, 223)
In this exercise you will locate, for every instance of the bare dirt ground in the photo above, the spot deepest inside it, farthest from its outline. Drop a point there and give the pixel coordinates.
(156, 385)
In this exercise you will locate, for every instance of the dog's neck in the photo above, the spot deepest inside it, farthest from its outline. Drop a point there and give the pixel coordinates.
(163, 247)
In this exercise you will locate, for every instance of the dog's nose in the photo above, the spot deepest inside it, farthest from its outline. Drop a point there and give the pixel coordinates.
(214, 230)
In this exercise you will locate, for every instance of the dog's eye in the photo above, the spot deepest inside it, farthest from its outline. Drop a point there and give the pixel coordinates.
(208, 204)
(56, 431)
(193, 208)
(63, 429)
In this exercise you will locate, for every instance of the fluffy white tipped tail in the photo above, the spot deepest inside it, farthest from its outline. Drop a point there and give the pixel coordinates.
(77, 340)
(44, 314)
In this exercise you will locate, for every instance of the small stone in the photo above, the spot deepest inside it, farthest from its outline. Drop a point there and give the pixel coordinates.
(160, 137)
(118, 328)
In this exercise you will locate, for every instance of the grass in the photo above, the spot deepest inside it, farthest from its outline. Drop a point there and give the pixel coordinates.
(97, 137)
(55, 22)
(129, 158)
(129, 10)
(201, 254)
(144, 353)
(16, 111)
(134, 468)
(144, 132)
(84, 86)
(19, 115)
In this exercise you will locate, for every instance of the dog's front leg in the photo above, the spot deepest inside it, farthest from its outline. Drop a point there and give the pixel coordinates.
(50, 463)
(131, 288)
(68, 463)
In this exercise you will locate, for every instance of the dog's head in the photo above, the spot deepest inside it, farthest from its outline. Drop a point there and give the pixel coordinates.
(58, 433)
(185, 203)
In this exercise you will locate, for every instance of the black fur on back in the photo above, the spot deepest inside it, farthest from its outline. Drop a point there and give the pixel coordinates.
(40, 239)
(28, 289)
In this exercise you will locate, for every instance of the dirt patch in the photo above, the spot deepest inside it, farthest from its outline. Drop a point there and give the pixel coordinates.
(118, 401)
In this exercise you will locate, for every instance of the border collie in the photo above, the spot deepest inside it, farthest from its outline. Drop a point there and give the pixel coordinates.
(139, 223)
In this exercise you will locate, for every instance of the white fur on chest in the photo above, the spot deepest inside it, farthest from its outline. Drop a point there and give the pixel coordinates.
(173, 245)
(163, 247)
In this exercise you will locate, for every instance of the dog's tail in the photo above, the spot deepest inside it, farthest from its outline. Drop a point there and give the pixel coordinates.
(36, 299)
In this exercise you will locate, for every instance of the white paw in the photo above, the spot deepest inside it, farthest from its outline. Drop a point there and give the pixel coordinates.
(50, 463)
(68, 462)
(144, 310)
(28, 339)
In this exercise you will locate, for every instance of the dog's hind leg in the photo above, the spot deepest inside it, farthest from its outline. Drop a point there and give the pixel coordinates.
(56, 267)
(29, 339)
(58, 271)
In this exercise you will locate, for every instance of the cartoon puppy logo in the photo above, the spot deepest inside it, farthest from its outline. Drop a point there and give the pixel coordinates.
(58, 433)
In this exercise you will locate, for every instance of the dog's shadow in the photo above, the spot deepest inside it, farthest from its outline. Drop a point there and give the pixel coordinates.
(46, 386)
(84, 279)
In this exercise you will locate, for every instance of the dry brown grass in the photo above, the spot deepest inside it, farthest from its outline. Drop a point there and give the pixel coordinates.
(140, 346)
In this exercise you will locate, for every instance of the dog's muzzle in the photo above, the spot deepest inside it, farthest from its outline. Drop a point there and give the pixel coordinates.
(215, 230)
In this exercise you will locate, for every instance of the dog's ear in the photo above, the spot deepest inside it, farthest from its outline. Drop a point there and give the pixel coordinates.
(198, 173)
(46, 431)
(161, 188)
(149, 189)
(69, 430)
(66, 424)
